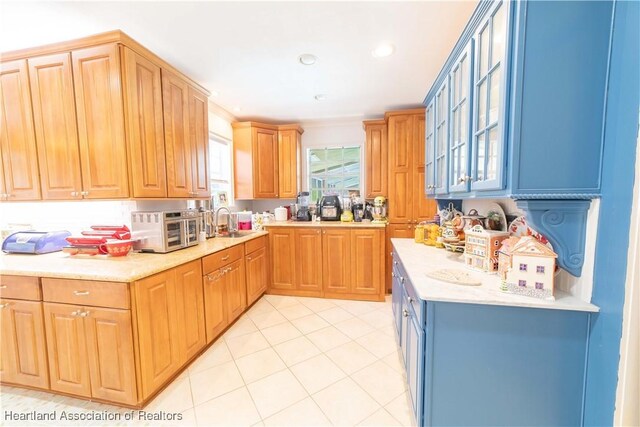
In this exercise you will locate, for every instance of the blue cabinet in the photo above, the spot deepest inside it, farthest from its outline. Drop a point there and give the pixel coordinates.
(429, 164)
(484, 365)
(538, 73)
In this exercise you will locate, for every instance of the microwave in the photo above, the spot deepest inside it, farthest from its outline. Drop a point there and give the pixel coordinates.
(165, 231)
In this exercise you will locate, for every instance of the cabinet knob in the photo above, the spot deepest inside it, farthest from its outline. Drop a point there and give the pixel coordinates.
(84, 314)
(405, 313)
(81, 293)
(393, 274)
(401, 279)
(248, 258)
(276, 195)
(85, 193)
(3, 286)
(5, 305)
(409, 300)
(75, 313)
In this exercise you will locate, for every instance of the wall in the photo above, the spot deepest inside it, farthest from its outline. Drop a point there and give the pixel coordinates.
(620, 140)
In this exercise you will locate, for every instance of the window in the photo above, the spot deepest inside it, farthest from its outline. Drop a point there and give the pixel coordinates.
(522, 283)
(539, 285)
(540, 269)
(523, 267)
(220, 168)
(333, 170)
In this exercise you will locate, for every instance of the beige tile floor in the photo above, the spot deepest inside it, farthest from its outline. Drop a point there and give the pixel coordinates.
(288, 361)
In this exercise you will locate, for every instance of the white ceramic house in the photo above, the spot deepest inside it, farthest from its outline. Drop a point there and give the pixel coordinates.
(532, 269)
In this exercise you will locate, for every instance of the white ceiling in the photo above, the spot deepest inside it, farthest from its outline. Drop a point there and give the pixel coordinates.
(247, 51)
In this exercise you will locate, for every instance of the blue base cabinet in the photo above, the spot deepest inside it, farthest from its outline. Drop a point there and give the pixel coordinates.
(483, 365)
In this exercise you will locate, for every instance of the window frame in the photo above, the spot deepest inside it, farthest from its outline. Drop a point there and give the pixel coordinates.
(219, 139)
(307, 162)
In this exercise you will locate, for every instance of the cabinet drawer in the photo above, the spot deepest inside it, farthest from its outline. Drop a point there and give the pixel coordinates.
(86, 292)
(412, 296)
(20, 287)
(255, 244)
(222, 258)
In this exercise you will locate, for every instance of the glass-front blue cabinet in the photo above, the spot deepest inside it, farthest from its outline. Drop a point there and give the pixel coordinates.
(441, 136)
(459, 124)
(519, 103)
(429, 164)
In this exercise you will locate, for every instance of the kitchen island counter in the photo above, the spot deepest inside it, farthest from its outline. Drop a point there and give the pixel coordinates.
(129, 268)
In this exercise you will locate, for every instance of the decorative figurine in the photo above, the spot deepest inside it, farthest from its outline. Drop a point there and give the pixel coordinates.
(527, 267)
(481, 248)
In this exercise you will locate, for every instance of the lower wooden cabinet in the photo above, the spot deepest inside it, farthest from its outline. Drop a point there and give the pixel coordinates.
(282, 251)
(336, 260)
(190, 309)
(257, 274)
(367, 262)
(308, 265)
(215, 304)
(91, 352)
(23, 355)
(236, 290)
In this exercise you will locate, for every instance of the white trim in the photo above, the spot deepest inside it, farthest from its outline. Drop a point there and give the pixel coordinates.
(627, 411)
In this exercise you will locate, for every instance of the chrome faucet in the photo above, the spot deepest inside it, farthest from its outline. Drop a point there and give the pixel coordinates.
(230, 226)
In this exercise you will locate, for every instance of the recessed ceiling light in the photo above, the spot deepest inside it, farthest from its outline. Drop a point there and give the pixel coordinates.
(307, 59)
(383, 50)
(215, 93)
(320, 97)
(236, 109)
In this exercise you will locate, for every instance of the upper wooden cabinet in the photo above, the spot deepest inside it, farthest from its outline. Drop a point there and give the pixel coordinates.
(109, 118)
(17, 137)
(376, 158)
(142, 85)
(266, 160)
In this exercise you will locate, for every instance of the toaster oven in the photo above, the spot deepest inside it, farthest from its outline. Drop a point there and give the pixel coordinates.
(165, 231)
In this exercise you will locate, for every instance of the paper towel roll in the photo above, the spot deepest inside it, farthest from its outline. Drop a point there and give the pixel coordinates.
(281, 214)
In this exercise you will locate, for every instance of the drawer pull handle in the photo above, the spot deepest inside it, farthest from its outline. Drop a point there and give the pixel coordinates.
(405, 313)
(401, 279)
(3, 286)
(80, 293)
(84, 314)
(393, 274)
(224, 258)
(5, 305)
(75, 313)
(409, 300)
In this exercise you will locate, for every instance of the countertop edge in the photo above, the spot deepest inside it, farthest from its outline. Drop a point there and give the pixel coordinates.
(325, 224)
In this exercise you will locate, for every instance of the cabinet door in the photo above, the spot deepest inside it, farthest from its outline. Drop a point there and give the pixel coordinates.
(158, 337)
(265, 163)
(215, 304)
(336, 260)
(459, 125)
(110, 353)
(143, 115)
(308, 264)
(376, 159)
(17, 137)
(190, 299)
(257, 273)
(67, 349)
(429, 167)
(199, 132)
(24, 352)
(175, 107)
(288, 163)
(414, 345)
(489, 83)
(103, 149)
(367, 262)
(400, 168)
(399, 231)
(423, 208)
(54, 117)
(236, 289)
(282, 250)
(441, 137)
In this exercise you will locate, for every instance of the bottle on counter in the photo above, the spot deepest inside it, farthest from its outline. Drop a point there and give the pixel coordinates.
(419, 233)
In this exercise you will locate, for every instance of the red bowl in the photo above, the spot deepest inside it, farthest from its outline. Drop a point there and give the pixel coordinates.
(117, 248)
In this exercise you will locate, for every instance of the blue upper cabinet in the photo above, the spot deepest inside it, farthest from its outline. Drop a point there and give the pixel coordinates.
(441, 137)
(530, 126)
(429, 164)
(460, 123)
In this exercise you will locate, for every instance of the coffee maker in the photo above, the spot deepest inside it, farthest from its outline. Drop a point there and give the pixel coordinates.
(302, 207)
(357, 208)
(330, 208)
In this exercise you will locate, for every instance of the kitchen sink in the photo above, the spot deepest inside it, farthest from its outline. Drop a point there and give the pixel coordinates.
(236, 234)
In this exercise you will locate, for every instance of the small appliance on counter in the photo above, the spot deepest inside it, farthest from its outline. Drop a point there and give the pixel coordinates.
(330, 209)
(302, 208)
(35, 242)
(357, 209)
(165, 231)
(379, 210)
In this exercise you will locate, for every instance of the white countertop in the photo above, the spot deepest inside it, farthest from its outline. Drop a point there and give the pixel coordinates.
(129, 268)
(418, 259)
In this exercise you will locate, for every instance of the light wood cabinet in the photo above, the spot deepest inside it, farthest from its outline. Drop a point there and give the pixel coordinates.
(282, 251)
(266, 160)
(376, 158)
(367, 262)
(54, 116)
(199, 137)
(423, 208)
(215, 304)
(289, 151)
(401, 180)
(17, 136)
(308, 260)
(190, 309)
(23, 353)
(67, 349)
(142, 84)
(157, 324)
(236, 290)
(109, 343)
(101, 135)
(336, 257)
(257, 273)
